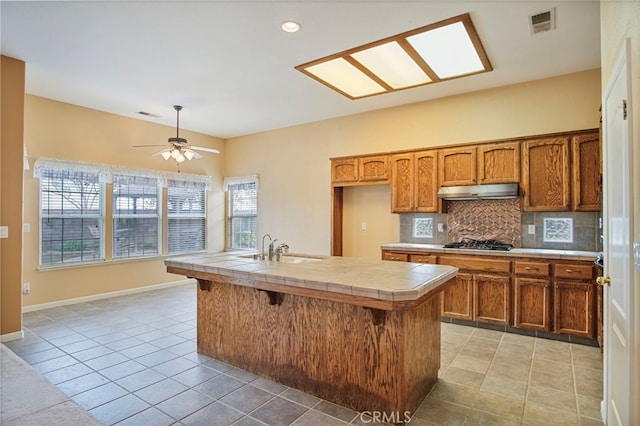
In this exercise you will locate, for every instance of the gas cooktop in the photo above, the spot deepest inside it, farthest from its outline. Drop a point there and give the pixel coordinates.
(468, 243)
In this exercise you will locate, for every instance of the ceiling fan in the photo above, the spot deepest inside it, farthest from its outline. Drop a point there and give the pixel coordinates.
(178, 148)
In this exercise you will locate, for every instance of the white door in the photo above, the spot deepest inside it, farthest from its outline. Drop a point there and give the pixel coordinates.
(618, 326)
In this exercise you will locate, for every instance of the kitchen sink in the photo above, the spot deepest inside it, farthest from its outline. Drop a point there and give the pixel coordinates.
(287, 258)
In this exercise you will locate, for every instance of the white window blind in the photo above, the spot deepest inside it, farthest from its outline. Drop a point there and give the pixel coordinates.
(136, 217)
(71, 215)
(241, 214)
(186, 214)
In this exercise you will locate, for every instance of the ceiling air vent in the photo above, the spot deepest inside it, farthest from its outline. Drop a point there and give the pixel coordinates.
(543, 21)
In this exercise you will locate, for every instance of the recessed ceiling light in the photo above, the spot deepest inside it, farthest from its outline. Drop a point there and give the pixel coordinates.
(442, 51)
(290, 26)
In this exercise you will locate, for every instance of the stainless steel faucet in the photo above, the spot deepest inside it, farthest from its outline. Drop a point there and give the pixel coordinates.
(271, 251)
(270, 247)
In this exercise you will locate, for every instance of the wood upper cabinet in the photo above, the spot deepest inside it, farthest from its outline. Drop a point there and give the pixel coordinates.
(374, 168)
(586, 172)
(499, 163)
(545, 174)
(370, 169)
(414, 182)
(457, 166)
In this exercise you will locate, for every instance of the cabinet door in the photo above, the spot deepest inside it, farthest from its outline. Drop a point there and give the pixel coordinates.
(545, 174)
(492, 299)
(457, 166)
(499, 163)
(573, 308)
(374, 168)
(532, 303)
(456, 298)
(426, 181)
(402, 183)
(344, 170)
(587, 172)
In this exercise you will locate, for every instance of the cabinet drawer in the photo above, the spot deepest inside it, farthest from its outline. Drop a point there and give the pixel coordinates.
(423, 258)
(475, 264)
(531, 268)
(574, 271)
(399, 257)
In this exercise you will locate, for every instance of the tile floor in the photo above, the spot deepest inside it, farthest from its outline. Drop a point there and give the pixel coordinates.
(132, 360)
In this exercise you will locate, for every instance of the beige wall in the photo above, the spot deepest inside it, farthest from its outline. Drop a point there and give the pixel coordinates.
(618, 21)
(295, 200)
(63, 131)
(12, 74)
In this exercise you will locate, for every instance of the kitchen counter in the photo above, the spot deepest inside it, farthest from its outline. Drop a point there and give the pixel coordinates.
(516, 252)
(364, 334)
(388, 285)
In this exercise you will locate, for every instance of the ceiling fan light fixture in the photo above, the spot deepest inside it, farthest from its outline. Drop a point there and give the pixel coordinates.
(180, 158)
(189, 154)
(166, 154)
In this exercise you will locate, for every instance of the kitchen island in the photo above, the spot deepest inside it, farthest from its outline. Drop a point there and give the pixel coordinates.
(364, 334)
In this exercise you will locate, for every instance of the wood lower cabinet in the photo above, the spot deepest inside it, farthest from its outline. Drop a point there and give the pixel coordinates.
(574, 299)
(457, 298)
(489, 295)
(550, 296)
(492, 299)
(532, 304)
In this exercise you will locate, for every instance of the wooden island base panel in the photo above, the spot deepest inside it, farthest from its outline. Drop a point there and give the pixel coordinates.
(362, 357)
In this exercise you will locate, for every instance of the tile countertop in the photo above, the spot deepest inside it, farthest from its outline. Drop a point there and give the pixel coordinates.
(377, 279)
(516, 252)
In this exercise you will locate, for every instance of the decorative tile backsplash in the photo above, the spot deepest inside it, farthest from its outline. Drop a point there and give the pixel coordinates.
(485, 220)
(496, 219)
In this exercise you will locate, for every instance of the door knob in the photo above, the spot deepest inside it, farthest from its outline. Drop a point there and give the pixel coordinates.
(603, 281)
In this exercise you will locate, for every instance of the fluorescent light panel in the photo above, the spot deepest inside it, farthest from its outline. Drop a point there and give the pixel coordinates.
(444, 50)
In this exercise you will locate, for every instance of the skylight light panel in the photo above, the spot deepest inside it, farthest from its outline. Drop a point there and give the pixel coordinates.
(448, 50)
(392, 64)
(345, 77)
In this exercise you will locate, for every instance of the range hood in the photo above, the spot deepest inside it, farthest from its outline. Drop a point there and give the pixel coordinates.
(501, 191)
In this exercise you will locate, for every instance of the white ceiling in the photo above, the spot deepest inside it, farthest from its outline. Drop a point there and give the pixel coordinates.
(232, 67)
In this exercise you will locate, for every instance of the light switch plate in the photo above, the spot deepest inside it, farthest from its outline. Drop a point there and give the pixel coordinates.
(4, 232)
(532, 230)
(26, 227)
(636, 256)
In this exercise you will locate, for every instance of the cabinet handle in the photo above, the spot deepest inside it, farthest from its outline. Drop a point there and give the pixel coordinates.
(527, 268)
(570, 271)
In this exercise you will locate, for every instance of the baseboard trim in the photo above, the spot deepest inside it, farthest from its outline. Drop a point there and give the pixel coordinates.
(10, 337)
(56, 304)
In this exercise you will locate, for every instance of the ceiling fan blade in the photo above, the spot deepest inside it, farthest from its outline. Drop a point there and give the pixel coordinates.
(203, 149)
(196, 155)
(145, 146)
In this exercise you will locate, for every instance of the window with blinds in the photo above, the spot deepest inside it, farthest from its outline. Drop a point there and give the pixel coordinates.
(136, 216)
(71, 215)
(241, 216)
(186, 214)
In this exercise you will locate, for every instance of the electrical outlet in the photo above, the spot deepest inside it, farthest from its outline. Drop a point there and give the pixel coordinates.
(441, 227)
(363, 226)
(532, 230)
(26, 288)
(4, 232)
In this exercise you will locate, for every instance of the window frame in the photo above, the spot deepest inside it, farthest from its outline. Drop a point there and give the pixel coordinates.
(100, 216)
(116, 215)
(191, 215)
(229, 186)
